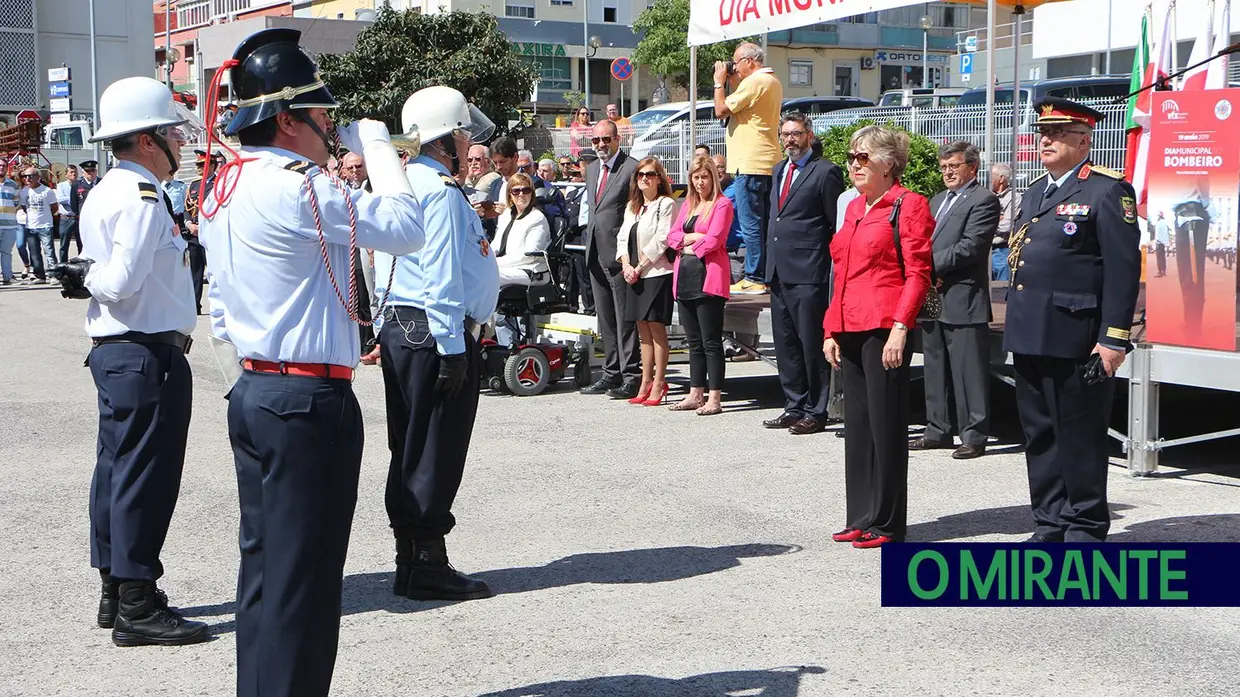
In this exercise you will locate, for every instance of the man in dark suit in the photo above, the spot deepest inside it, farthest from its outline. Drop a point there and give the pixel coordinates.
(956, 345)
(1076, 268)
(798, 272)
(607, 194)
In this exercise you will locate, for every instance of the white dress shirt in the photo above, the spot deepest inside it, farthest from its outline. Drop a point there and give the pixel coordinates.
(140, 280)
(268, 285)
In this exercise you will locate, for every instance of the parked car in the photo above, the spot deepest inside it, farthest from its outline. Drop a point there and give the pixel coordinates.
(823, 105)
(922, 97)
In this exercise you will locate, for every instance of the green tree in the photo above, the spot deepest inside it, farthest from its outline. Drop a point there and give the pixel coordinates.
(922, 174)
(664, 48)
(403, 52)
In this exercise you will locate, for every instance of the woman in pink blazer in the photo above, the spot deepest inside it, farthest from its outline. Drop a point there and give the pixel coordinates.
(700, 282)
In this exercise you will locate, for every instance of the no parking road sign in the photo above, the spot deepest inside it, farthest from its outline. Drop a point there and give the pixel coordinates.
(622, 69)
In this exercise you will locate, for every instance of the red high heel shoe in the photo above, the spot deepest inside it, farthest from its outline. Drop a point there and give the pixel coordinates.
(656, 401)
(642, 395)
(846, 535)
(871, 541)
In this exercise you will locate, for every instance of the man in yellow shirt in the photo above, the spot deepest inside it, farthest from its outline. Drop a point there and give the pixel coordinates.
(752, 111)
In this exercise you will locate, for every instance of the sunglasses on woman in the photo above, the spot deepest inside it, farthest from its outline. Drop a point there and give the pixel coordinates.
(647, 175)
(521, 191)
(861, 158)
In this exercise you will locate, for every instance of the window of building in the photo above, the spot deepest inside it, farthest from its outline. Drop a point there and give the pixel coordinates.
(609, 14)
(561, 3)
(801, 73)
(553, 73)
(519, 8)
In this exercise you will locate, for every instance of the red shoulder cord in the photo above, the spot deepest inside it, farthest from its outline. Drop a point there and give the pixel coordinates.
(227, 176)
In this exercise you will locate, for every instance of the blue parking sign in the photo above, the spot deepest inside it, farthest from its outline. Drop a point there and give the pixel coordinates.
(966, 64)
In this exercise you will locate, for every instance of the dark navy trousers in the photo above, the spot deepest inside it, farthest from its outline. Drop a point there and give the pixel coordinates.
(145, 398)
(428, 433)
(297, 444)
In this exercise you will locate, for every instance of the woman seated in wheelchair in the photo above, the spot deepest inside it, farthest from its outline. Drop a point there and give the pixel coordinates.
(521, 228)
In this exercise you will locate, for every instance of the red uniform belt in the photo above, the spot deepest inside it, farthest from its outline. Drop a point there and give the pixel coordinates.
(315, 370)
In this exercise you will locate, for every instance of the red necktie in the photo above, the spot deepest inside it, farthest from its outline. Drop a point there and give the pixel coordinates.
(783, 191)
(602, 183)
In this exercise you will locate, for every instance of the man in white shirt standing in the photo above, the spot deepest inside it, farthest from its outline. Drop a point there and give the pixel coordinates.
(39, 204)
(68, 218)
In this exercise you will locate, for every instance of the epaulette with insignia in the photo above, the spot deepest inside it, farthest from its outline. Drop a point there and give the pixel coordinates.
(449, 181)
(148, 191)
(299, 166)
(1108, 172)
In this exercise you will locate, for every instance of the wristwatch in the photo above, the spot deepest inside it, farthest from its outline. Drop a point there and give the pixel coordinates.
(718, 86)
(899, 325)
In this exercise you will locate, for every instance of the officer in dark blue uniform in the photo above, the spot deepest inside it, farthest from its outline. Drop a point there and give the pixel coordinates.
(1076, 270)
(134, 271)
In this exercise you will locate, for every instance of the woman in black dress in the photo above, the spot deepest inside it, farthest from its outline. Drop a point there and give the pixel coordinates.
(641, 249)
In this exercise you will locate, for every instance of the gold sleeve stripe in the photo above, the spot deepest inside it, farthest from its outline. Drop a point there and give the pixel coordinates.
(1116, 333)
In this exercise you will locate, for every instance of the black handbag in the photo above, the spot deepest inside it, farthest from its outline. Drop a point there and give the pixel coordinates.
(933, 305)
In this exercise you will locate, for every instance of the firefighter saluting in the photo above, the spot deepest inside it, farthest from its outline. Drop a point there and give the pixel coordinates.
(1076, 270)
(279, 234)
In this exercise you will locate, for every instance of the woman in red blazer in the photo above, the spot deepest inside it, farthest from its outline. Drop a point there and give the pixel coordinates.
(879, 290)
(700, 283)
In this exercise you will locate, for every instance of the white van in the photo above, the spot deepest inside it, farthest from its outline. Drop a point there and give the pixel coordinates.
(922, 97)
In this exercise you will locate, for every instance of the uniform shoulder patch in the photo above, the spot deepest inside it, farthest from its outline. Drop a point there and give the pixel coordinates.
(1128, 204)
(1107, 172)
(299, 166)
(148, 191)
(449, 181)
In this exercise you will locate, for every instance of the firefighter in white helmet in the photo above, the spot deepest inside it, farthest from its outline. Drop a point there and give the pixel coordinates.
(135, 273)
(440, 296)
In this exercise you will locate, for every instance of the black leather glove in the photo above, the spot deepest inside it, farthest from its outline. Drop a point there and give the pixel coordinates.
(453, 370)
(72, 277)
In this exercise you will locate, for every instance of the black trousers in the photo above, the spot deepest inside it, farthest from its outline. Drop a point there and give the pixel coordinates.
(198, 270)
(579, 284)
(297, 445)
(797, 311)
(957, 372)
(71, 233)
(1065, 425)
(145, 399)
(366, 332)
(1190, 265)
(428, 434)
(702, 320)
(875, 434)
(622, 359)
(1160, 258)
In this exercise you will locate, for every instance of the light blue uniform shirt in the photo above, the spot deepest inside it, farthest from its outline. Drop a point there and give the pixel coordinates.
(455, 275)
(268, 286)
(176, 190)
(140, 280)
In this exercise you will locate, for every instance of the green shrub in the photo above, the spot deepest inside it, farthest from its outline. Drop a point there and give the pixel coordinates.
(921, 175)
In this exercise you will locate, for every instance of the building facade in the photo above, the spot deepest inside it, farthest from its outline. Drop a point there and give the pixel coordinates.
(36, 36)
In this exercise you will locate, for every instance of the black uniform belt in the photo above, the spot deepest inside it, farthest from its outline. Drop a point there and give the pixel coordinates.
(171, 338)
(406, 313)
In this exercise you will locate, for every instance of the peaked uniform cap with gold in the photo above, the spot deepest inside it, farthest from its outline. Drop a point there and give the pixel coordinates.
(1056, 110)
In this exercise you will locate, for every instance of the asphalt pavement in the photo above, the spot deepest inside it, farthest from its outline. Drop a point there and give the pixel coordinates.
(634, 552)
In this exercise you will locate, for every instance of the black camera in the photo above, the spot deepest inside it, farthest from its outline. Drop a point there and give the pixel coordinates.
(731, 67)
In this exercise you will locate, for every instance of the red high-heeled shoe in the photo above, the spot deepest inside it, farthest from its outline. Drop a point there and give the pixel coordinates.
(656, 401)
(642, 395)
(871, 541)
(847, 535)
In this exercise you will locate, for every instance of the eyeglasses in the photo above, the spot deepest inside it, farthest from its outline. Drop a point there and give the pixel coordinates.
(524, 167)
(861, 158)
(792, 134)
(1057, 132)
(605, 140)
(647, 175)
(351, 167)
(521, 191)
(475, 159)
(951, 166)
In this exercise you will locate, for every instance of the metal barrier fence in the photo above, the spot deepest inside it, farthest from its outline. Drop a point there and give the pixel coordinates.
(673, 144)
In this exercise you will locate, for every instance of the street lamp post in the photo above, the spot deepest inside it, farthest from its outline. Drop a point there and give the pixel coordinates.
(592, 46)
(926, 25)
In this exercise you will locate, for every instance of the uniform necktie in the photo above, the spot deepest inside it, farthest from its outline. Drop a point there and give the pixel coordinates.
(602, 183)
(947, 204)
(783, 191)
(1050, 191)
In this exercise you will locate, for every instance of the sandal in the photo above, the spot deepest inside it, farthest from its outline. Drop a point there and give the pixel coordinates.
(706, 410)
(686, 405)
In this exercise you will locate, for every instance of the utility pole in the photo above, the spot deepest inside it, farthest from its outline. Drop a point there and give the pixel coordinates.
(168, 42)
(94, 91)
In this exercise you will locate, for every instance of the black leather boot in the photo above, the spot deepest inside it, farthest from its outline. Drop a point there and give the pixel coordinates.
(144, 619)
(433, 578)
(404, 561)
(108, 598)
